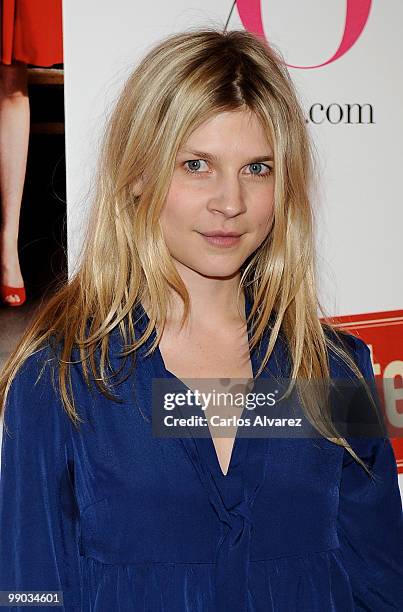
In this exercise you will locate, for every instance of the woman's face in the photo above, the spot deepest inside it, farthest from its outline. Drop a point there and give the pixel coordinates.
(223, 181)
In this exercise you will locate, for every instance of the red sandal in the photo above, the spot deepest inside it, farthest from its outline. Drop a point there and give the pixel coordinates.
(6, 290)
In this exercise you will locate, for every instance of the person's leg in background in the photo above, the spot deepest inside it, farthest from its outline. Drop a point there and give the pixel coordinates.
(14, 137)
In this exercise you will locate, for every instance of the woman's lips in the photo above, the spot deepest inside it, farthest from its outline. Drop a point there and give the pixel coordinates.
(222, 241)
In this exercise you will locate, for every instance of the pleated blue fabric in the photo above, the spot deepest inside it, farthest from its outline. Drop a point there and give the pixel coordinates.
(118, 519)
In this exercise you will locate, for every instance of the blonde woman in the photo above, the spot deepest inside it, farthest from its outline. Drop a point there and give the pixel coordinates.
(207, 139)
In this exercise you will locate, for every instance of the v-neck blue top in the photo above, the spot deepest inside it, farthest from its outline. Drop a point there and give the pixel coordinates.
(120, 520)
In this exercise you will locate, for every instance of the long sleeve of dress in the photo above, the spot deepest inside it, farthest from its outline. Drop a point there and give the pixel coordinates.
(39, 533)
(370, 521)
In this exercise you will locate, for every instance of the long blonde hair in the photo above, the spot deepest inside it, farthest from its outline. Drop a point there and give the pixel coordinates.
(183, 81)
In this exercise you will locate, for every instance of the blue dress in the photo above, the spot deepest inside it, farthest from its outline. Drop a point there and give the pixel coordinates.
(122, 521)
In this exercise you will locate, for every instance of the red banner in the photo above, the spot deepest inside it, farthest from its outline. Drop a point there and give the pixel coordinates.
(383, 332)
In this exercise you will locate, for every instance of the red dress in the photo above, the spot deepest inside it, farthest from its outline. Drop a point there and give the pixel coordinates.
(31, 32)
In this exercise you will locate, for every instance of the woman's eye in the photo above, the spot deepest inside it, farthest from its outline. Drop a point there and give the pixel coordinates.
(257, 166)
(194, 165)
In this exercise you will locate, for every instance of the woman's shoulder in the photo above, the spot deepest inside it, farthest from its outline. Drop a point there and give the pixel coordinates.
(35, 369)
(32, 400)
(356, 347)
(350, 341)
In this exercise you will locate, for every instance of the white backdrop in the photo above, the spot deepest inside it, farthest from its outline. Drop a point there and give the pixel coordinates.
(360, 212)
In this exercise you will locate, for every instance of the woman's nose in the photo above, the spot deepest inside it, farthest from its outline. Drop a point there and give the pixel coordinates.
(227, 197)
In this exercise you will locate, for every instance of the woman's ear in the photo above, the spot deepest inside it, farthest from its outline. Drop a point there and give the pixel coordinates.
(138, 186)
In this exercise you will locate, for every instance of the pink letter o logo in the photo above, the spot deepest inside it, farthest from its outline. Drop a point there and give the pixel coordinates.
(357, 13)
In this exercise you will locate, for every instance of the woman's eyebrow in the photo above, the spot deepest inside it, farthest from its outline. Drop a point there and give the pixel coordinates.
(213, 157)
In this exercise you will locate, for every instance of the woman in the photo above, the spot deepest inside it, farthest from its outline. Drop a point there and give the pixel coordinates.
(206, 137)
(30, 33)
